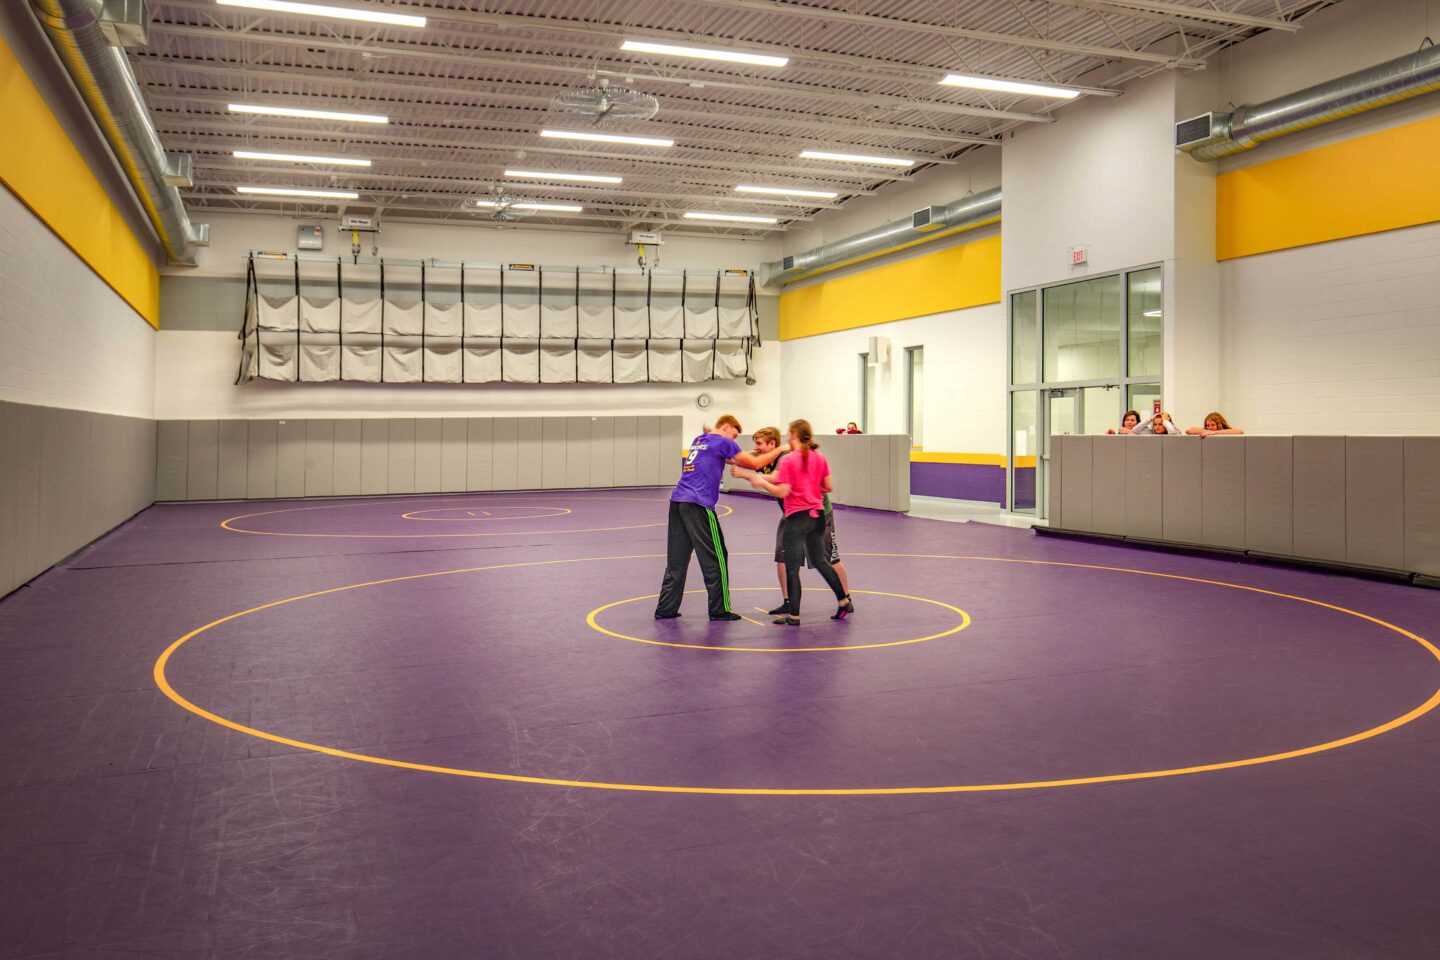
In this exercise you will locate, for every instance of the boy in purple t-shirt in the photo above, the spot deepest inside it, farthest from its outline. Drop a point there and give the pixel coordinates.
(694, 528)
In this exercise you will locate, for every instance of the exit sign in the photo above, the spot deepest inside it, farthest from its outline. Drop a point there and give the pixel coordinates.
(1079, 255)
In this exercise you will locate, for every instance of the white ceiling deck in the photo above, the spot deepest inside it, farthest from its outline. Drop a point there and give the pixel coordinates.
(468, 94)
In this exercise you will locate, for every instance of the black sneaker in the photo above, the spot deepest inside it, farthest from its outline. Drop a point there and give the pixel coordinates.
(727, 616)
(665, 616)
(779, 611)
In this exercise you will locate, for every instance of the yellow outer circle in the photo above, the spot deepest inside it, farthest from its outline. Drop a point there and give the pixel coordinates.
(1419, 711)
(226, 524)
(590, 618)
(415, 515)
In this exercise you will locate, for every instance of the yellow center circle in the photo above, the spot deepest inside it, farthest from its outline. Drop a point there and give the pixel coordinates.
(415, 514)
(232, 524)
(1414, 713)
(593, 622)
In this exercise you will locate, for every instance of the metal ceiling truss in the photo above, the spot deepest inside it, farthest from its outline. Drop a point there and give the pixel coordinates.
(468, 94)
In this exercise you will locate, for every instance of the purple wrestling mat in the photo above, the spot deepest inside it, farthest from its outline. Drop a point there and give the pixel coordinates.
(448, 726)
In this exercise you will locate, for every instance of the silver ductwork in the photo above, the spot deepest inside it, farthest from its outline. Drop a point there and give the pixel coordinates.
(1253, 124)
(81, 33)
(927, 224)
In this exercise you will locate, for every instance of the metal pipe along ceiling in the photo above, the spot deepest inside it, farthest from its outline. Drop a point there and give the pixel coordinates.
(959, 213)
(102, 75)
(1253, 124)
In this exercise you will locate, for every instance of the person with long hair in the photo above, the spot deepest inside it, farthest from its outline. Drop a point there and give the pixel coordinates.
(1215, 426)
(1128, 423)
(801, 480)
(694, 527)
(769, 450)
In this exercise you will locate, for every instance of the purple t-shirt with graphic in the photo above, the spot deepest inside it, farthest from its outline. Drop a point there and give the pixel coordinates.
(703, 469)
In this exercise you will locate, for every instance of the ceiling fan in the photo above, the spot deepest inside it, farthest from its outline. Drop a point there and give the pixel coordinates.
(604, 102)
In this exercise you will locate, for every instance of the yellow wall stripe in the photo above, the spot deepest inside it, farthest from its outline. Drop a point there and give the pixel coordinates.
(1367, 184)
(952, 279)
(44, 169)
(970, 459)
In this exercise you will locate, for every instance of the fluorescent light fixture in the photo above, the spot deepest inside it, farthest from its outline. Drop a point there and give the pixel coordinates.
(297, 192)
(1154, 313)
(300, 158)
(790, 192)
(1009, 86)
(307, 114)
(738, 218)
(855, 158)
(607, 138)
(320, 10)
(703, 53)
(553, 175)
(528, 205)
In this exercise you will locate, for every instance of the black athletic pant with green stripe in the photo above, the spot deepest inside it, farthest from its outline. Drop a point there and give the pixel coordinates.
(694, 528)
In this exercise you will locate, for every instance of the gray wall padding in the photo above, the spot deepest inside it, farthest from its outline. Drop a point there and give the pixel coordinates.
(1369, 501)
(66, 478)
(264, 459)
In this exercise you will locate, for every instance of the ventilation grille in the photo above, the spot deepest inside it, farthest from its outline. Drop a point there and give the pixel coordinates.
(1195, 130)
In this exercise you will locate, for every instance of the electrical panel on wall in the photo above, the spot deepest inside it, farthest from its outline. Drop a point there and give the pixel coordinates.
(311, 237)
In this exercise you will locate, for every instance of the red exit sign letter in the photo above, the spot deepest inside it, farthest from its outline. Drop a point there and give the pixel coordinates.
(1079, 255)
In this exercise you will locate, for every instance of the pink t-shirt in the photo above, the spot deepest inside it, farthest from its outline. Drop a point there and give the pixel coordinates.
(804, 479)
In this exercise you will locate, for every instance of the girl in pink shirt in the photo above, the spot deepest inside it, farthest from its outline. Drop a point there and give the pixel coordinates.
(801, 481)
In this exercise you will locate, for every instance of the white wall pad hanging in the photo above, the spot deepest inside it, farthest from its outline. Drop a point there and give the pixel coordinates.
(631, 362)
(319, 362)
(597, 322)
(443, 364)
(361, 364)
(558, 362)
(665, 365)
(443, 320)
(596, 363)
(482, 320)
(520, 362)
(532, 334)
(319, 315)
(632, 323)
(482, 362)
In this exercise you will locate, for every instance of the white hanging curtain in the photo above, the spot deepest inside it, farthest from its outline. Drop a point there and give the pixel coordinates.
(531, 334)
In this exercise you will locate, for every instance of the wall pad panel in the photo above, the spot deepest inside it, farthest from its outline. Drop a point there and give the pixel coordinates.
(1371, 502)
(293, 458)
(69, 476)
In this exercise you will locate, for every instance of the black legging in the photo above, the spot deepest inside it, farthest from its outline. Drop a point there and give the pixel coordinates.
(804, 533)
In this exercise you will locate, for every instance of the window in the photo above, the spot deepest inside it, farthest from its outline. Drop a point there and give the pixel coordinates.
(915, 395)
(1145, 310)
(1082, 330)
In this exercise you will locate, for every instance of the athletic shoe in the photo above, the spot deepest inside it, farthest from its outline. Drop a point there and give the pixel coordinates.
(779, 611)
(727, 616)
(665, 616)
(844, 610)
(787, 621)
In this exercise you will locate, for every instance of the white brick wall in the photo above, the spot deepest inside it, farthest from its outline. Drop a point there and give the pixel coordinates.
(1340, 337)
(66, 339)
(964, 386)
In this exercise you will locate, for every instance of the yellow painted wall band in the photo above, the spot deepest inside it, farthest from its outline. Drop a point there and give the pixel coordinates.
(951, 279)
(46, 172)
(1367, 184)
(968, 459)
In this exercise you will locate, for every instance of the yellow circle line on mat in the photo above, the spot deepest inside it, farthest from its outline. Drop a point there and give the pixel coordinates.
(1413, 714)
(594, 624)
(226, 524)
(414, 514)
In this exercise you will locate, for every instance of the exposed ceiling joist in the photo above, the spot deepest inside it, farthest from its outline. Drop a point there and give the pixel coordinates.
(1210, 13)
